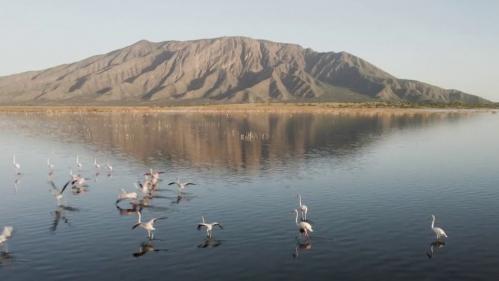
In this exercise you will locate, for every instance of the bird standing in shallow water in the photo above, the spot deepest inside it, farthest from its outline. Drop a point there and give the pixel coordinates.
(209, 227)
(109, 169)
(303, 209)
(148, 226)
(6, 235)
(16, 165)
(439, 232)
(78, 163)
(50, 166)
(303, 227)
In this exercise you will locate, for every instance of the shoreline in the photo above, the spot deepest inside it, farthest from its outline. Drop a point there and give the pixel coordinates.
(244, 108)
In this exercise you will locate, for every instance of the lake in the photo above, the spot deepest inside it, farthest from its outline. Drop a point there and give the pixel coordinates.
(371, 183)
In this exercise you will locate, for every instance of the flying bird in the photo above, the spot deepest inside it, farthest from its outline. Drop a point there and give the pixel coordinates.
(58, 193)
(208, 226)
(148, 226)
(181, 185)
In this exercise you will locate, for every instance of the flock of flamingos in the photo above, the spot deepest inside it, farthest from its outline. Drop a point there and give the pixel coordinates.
(145, 190)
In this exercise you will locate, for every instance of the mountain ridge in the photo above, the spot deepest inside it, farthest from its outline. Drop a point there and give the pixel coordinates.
(219, 70)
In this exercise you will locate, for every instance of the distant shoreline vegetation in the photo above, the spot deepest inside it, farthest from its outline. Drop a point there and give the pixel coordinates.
(252, 107)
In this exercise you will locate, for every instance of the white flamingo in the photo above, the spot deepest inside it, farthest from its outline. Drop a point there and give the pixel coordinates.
(78, 163)
(6, 235)
(109, 167)
(50, 165)
(439, 232)
(16, 165)
(96, 164)
(303, 209)
(58, 193)
(208, 226)
(303, 227)
(148, 226)
(124, 195)
(153, 174)
(181, 185)
(143, 187)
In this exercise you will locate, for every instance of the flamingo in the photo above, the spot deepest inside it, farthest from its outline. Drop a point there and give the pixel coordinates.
(50, 165)
(153, 174)
(16, 165)
(304, 227)
(58, 193)
(6, 235)
(439, 232)
(77, 181)
(143, 187)
(209, 227)
(148, 226)
(181, 185)
(96, 164)
(109, 169)
(303, 209)
(78, 163)
(124, 195)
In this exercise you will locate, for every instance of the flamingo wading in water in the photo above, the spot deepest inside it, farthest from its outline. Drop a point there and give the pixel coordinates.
(208, 226)
(6, 235)
(16, 165)
(303, 227)
(439, 232)
(303, 209)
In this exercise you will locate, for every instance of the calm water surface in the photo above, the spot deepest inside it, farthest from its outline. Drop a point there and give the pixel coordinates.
(371, 183)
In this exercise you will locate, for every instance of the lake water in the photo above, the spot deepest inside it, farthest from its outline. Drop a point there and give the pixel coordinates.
(371, 182)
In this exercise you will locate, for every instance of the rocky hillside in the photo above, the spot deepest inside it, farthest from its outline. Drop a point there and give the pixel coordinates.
(220, 70)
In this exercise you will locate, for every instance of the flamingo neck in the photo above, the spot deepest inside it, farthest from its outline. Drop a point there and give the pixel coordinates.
(299, 197)
(202, 218)
(433, 223)
(296, 218)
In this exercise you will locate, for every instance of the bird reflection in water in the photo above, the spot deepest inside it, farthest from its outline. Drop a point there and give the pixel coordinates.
(6, 258)
(17, 182)
(79, 190)
(147, 247)
(302, 247)
(434, 246)
(182, 197)
(145, 203)
(59, 215)
(128, 211)
(210, 243)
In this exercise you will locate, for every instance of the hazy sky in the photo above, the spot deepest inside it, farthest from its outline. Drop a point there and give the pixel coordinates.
(452, 44)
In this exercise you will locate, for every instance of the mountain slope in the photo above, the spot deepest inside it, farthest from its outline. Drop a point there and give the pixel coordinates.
(228, 69)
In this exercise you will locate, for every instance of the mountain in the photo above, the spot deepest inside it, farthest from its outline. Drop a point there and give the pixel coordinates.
(219, 70)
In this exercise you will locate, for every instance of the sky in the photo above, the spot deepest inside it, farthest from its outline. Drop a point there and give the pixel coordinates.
(448, 43)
